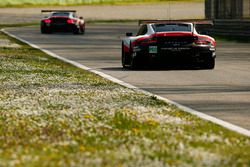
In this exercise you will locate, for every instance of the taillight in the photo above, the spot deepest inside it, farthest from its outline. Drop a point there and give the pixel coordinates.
(149, 40)
(202, 41)
(47, 21)
(71, 21)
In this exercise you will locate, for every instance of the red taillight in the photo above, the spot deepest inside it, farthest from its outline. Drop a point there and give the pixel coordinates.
(71, 21)
(149, 40)
(202, 41)
(47, 21)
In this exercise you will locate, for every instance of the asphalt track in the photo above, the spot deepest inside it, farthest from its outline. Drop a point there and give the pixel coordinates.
(223, 92)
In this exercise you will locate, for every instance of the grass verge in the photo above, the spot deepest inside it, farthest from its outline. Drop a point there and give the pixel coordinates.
(17, 25)
(54, 114)
(232, 38)
(28, 3)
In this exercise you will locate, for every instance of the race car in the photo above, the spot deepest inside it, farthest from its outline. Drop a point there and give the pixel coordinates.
(168, 43)
(62, 20)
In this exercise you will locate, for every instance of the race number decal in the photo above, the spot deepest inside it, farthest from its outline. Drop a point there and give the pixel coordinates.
(152, 49)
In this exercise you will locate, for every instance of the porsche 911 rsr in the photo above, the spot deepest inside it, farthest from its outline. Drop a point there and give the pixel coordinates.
(62, 20)
(168, 42)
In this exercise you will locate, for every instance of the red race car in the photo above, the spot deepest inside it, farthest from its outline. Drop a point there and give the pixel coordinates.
(62, 20)
(168, 42)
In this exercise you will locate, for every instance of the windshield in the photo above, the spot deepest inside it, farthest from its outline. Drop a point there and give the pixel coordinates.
(62, 14)
(172, 27)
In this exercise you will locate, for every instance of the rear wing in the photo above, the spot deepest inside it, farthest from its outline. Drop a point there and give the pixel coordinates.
(195, 22)
(49, 11)
(200, 25)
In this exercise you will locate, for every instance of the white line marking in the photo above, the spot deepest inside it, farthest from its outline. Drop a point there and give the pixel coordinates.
(106, 76)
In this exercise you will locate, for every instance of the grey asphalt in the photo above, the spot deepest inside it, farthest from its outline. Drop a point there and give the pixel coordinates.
(223, 92)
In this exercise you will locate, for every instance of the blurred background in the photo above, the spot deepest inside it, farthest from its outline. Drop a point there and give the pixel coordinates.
(231, 17)
(227, 9)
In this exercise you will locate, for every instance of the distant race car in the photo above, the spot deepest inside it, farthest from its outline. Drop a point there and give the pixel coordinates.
(168, 42)
(62, 20)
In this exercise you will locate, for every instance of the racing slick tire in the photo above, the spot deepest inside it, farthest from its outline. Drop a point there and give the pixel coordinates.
(133, 65)
(45, 30)
(125, 58)
(128, 60)
(133, 60)
(82, 30)
(209, 63)
(78, 30)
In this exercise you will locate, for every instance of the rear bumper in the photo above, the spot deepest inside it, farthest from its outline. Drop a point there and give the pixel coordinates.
(174, 54)
(59, 27)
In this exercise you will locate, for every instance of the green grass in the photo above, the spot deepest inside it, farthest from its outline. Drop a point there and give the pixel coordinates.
(232, 38)
(54, 114)
(27, 3)
(18, 25)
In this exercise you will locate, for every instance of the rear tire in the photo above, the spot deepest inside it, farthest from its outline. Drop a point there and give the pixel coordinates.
(209, 63)
(44, 30)
(133, 59)
(124, 58)
(133, 63)
(82, 31)
(76, 30)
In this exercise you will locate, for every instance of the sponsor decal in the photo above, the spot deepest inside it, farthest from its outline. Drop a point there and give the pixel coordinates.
(175, 49)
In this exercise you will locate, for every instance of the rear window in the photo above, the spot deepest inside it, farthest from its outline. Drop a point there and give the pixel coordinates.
(61, 14)
(172, 27)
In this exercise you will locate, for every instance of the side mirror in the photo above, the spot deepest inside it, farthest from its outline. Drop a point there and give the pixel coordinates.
(81, 17)
(129, 34)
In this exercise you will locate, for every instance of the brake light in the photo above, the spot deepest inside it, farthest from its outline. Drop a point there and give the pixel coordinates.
(202, 41)
(47, 21)
(149, 40)
(71, 21)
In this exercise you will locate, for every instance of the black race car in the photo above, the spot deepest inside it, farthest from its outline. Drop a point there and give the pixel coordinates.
(62, 20)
